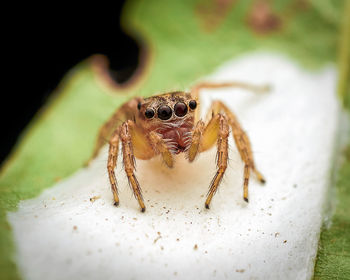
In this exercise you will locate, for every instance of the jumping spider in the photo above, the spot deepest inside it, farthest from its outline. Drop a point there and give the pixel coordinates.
(169, 124)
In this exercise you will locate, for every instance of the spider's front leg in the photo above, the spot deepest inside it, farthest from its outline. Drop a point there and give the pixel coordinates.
(203, 138)
(135, 143)
(129, 161)
(222, 155)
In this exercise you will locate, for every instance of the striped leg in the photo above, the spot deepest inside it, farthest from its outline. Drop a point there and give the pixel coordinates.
(129, 163)
(244, 148)
(222, 156)
(111, 164)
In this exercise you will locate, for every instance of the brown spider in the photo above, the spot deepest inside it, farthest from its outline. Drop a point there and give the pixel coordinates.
(169, 124)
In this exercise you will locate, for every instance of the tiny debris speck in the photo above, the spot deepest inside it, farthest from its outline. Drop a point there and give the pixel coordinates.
(94, 198)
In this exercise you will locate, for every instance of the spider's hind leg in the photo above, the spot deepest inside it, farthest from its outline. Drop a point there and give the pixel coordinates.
(244, 149)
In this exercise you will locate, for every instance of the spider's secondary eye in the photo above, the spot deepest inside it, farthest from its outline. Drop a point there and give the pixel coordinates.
(192, 104)
(180, 109)
(139, 105)
(164, 112)
(149, 113)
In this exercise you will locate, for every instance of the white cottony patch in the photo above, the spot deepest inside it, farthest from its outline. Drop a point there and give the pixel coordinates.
(73, 231)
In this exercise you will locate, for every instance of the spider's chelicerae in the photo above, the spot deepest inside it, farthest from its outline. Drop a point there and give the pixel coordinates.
(169, 124)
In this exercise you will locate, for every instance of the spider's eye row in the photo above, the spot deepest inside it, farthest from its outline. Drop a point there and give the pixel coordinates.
(192, 104)
(164, 112)
(149, 113)
(139, 106)
(180, 109)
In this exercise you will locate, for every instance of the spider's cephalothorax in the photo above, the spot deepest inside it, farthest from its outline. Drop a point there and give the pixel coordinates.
(171, 115)
(169, 124)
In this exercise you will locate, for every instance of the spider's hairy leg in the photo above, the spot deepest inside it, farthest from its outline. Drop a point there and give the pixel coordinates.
(105, 132)
(259, 176)
(222, 153)
(216, 131)
(244, 148)
(129, 161)
(111, 164)
(160, 146)
(212, 85)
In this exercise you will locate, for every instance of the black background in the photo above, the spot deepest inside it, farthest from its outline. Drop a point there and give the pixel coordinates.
(45, 41)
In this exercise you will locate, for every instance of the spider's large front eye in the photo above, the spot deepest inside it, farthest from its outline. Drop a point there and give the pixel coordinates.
(164, 112)
(149, 113)
(180, 109)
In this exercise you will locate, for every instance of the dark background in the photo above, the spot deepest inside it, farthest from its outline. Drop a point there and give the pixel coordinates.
(47, 40)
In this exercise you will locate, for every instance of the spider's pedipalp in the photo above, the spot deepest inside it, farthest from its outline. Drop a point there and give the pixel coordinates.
(161, 146)
(196, 141)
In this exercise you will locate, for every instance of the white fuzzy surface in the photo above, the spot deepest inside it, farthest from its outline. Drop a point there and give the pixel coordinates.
(63, 235)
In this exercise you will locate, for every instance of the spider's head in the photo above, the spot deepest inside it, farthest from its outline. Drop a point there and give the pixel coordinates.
(174, 107)
(172, 116)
